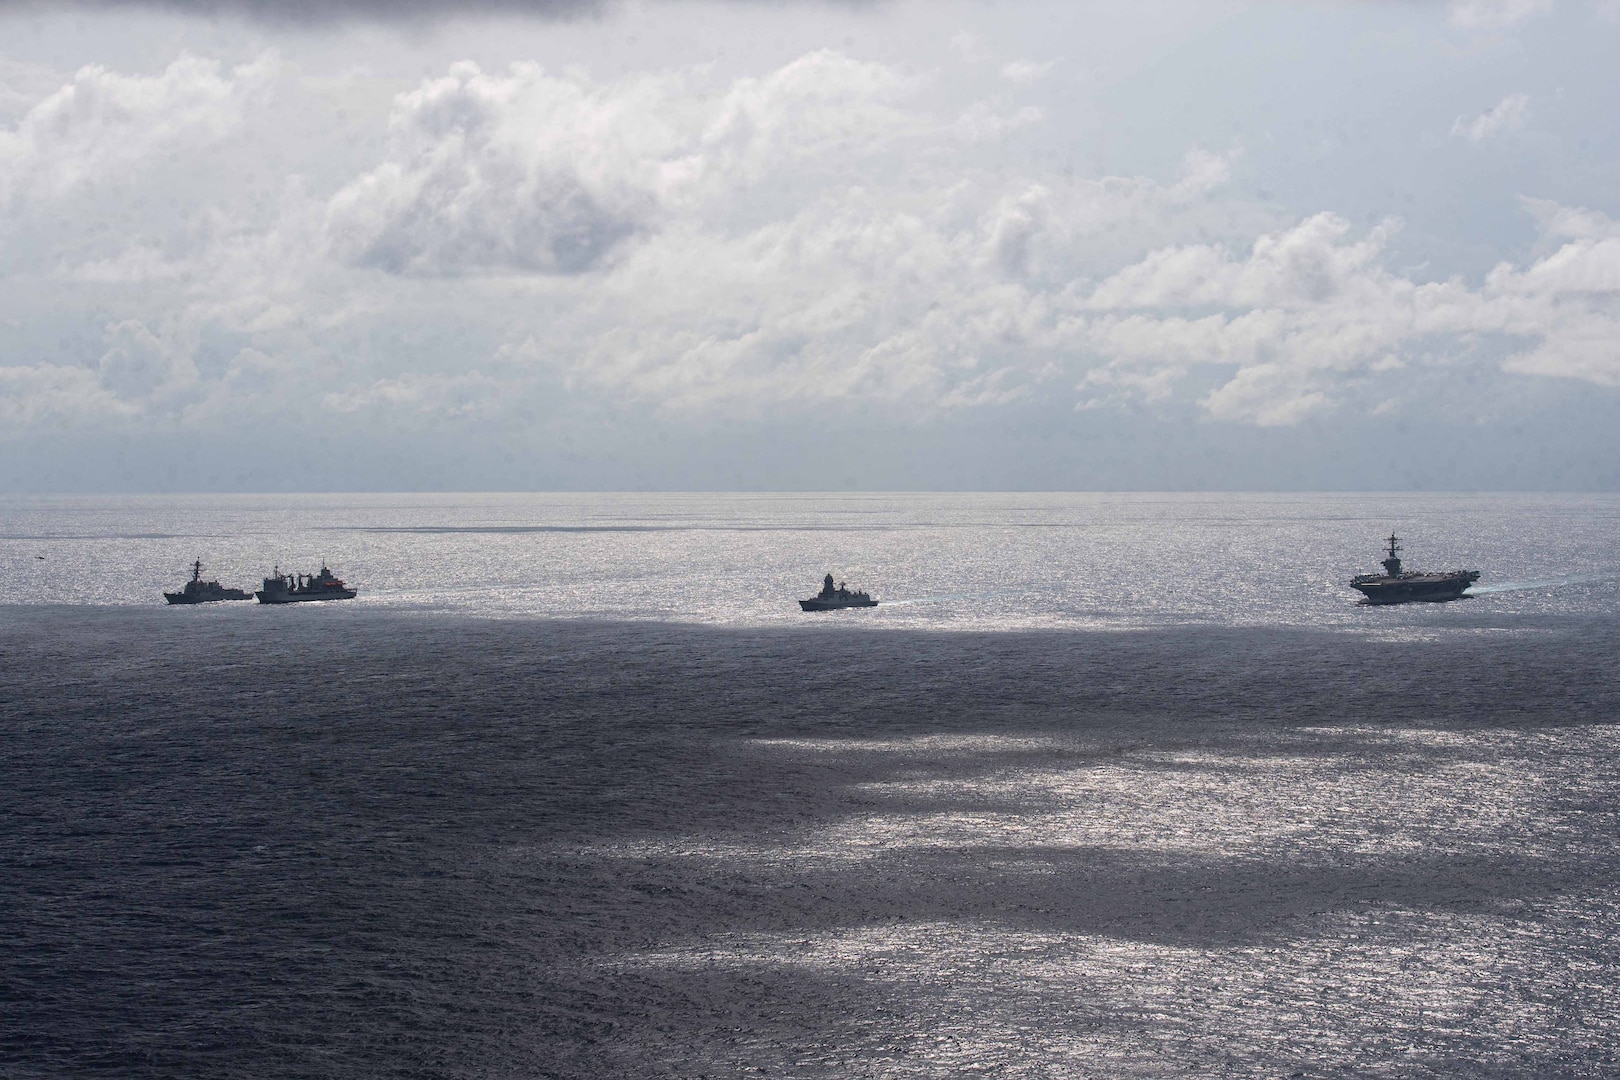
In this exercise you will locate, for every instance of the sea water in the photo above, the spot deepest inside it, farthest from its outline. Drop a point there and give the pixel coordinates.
(994, 561)
(1108, 785)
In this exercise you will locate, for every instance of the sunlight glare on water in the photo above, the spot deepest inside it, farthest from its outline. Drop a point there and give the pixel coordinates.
(1108, 786)
(1317, 849)
(986, 561)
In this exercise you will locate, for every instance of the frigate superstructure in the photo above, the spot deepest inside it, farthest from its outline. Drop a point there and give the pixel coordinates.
(198, 591)
(1398, 586)
(282, 588)
(831, 598)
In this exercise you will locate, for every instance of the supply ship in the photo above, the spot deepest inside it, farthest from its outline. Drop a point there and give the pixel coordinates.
(830, 598)
(297, 588)
(198, 591)
(1397, 586)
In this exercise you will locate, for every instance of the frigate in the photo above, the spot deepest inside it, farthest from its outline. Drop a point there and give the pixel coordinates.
(198, 591)
(830, 598)
(1397, 586)
(297, 588)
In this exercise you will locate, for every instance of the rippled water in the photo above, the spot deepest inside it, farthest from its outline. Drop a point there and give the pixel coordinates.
(1111, 786)
(998, 561)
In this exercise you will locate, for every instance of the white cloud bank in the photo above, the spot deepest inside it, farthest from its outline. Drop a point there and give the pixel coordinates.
(102, 125)
(809, 235)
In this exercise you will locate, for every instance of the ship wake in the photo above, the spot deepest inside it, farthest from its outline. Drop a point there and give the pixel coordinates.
(1546, 583)
(945, 598)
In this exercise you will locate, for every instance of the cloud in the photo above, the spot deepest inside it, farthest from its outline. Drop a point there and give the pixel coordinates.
(529, 172)
(1306, 314)
(300, 12)
(1495, 14)
(1571, 222)
(421, 395)
(1508, 115)
(1582, 347)
(818, 234)
(983, 122)
(1266, 395)
(1307, 265)
(1312, 314)
(49, 396)
(523, 172)
(137, 365)
(304, 12)
(102, 125)
(1568, 301)
(1025, 72)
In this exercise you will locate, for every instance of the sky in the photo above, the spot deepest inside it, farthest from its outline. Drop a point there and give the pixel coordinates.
(809, 245)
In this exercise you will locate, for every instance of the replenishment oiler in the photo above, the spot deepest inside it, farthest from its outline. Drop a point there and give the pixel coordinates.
(1395, 586)
(830, 598)
(297, 588)
(198, 591)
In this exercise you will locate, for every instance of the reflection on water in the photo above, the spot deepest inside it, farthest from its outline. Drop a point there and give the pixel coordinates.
(1148, 811)
(958, 562)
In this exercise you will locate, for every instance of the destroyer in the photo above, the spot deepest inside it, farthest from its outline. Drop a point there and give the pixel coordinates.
(297, 588)
(1395, 586)
(198, 591)
(830, 598)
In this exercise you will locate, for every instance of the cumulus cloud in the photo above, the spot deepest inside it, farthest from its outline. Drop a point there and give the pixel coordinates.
(1568, 302)
(1301, 315)
(138, 365)
(103, 124)
(490, 173)
(532, 172)
(1507, 115)
(47, 396)
(816, 233)
(1311, 313)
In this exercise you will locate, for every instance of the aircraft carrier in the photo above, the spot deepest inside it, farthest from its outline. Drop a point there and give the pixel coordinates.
(1397, 586)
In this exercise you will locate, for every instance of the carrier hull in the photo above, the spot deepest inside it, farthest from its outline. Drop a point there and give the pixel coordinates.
(1420, 589)
(1397, 586)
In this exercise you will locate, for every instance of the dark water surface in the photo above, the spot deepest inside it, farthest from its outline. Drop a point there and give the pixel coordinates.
(379, 844)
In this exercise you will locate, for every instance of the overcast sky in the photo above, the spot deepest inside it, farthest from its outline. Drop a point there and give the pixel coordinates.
(911, 244)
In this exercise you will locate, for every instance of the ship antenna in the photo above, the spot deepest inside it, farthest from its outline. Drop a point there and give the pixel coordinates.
(1392, 565)
(196, 569)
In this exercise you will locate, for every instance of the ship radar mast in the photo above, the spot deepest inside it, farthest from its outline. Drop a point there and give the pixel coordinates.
(196, 570)
(1392, 565)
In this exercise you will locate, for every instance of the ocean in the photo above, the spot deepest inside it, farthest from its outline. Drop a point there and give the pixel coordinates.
(1107, 786)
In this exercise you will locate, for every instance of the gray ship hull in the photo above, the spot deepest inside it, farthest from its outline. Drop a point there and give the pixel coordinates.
(198, 591)
(832, 605)
(301, 588)
(303, 597)
(1415, 588)
(208, 598)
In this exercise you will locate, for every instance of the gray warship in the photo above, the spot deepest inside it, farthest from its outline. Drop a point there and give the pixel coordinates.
(830, 598)
(198, 591)
(298, 588)
(1397, 586)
